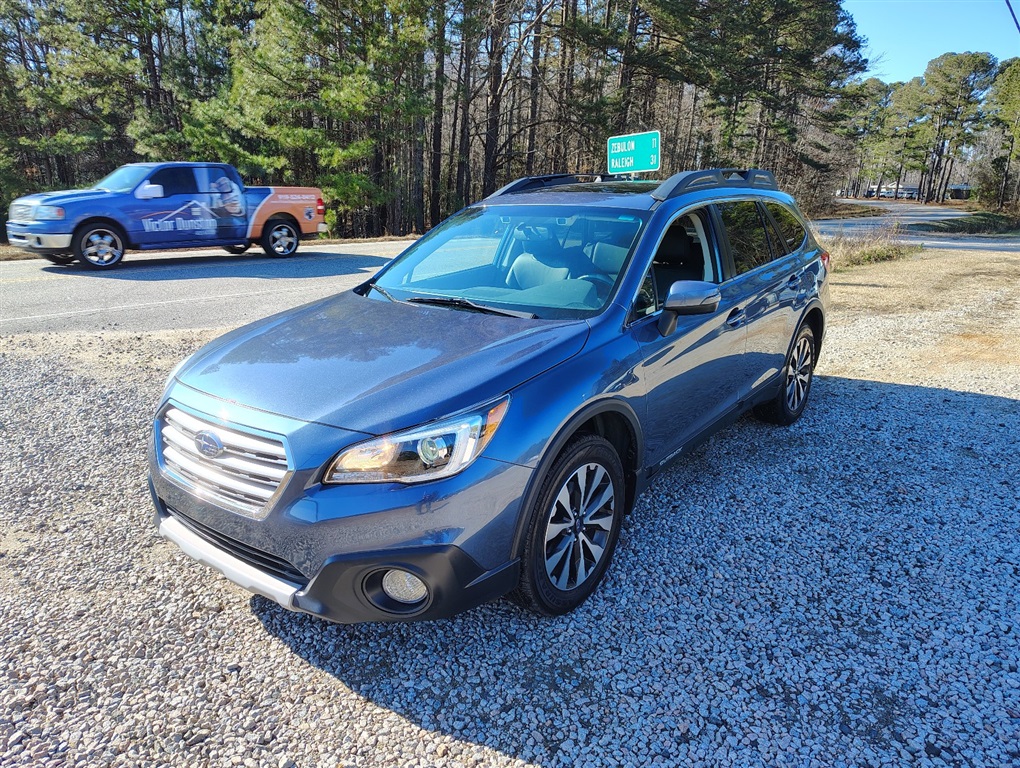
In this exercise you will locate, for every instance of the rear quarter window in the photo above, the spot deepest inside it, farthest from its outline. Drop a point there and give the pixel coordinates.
(789, 225)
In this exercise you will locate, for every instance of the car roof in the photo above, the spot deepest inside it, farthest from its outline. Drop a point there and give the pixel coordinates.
(637, 195)
(176, 162)
(634, 195)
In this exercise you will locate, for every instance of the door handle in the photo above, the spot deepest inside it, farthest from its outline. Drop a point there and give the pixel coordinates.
(794, 281)
(735, 318)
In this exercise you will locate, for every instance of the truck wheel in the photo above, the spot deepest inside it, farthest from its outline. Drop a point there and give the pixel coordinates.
(99, 246)
(279, 238)
(237, 250)
(59, 258)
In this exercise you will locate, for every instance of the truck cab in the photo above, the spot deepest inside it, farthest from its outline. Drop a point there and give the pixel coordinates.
(149, 206)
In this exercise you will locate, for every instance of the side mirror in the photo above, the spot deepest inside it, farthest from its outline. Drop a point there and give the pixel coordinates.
(149, 191)
(688, 297)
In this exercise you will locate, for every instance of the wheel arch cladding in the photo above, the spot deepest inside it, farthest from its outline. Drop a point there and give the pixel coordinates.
(613, 420)
(106, 222)
(816, 321)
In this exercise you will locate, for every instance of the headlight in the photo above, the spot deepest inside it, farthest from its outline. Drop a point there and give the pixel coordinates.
(430, 452)
(48, 213)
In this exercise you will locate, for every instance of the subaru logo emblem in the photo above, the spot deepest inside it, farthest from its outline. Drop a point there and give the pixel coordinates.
(208, 444)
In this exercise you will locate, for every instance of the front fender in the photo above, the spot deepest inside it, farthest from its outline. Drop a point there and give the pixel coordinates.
(548, 410)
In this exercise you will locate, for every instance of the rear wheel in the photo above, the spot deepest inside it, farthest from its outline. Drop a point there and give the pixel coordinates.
(237, 250)
(99, 246)
(790, 401)
(573, 527)
(280, 238)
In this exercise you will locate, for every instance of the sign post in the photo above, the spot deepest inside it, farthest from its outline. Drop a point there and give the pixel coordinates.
(633, 152)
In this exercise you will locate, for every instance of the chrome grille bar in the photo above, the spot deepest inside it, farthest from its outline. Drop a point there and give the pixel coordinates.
(20, 212)
(244, 477)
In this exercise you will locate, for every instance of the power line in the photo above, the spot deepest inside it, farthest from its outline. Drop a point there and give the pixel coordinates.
(1011, 13)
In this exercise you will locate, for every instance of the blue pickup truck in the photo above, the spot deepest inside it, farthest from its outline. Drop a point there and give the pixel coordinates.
(158, 206)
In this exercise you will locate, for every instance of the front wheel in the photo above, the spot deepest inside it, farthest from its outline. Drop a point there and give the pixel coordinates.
(280, 238)
(790, 401)
(99, 246)
(573, 527)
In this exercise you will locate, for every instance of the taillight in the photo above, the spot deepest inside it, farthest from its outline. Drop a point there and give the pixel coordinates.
(824, 256)
(320, 208)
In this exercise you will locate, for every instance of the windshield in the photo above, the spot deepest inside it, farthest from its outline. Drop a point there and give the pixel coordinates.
(547, 261)
(124, 179)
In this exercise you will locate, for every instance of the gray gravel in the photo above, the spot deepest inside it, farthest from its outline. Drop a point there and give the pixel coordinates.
(845, 592)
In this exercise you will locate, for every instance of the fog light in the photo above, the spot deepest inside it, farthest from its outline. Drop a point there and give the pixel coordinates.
(404, 587)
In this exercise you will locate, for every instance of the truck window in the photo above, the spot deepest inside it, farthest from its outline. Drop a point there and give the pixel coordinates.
(175, 180)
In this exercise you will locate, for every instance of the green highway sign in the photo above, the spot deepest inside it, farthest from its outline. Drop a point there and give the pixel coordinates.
(633, 153)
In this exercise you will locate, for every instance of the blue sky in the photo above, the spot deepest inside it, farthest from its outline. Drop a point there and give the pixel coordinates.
(904, 35)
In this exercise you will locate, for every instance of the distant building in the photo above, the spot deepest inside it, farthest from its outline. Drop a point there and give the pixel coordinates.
(958, 191)
(903, 192)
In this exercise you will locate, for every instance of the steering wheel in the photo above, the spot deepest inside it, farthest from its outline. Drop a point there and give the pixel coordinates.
(603, 284)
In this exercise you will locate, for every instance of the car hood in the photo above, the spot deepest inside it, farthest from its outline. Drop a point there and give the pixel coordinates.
(373, 366)
(62, 197)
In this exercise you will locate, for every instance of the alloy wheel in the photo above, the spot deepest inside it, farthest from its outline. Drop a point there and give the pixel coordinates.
(798, 374)
(102, 247)
(579, 525)
(282, 239)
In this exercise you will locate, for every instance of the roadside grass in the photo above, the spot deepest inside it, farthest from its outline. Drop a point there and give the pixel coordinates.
(979, 223)
(10, 253)
(836, 210)
(871, 247)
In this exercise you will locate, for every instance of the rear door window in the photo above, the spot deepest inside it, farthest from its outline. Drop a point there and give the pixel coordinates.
(745, 230)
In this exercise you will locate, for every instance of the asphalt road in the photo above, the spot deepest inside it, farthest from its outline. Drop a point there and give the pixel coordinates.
(905, 213)
(210, 289)
(177, 291)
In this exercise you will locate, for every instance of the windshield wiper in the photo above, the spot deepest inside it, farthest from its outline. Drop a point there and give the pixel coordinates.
(383, 291)
(453, 301)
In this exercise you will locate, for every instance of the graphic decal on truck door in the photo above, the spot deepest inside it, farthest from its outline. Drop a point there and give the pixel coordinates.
(182, 215)
(201, 220)
(225, 200)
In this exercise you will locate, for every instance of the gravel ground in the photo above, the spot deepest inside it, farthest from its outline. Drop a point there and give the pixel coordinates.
(845, 592)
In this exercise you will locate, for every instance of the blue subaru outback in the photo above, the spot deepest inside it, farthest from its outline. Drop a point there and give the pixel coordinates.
(476, 419)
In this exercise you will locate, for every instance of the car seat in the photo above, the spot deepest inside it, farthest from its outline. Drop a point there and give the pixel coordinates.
(678, 258)
(541, 259)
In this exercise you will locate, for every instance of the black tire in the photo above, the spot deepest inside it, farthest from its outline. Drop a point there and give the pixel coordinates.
(789, 403)
(59, 258)
(280, 238)
(237, 250)
(561, 564)
(99, 245)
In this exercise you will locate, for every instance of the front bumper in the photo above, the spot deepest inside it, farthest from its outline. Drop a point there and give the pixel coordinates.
(342, 590)
(30, 239)
(321, 549)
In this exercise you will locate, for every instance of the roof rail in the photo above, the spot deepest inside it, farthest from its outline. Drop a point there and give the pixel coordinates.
(687, 181)
(551, 180)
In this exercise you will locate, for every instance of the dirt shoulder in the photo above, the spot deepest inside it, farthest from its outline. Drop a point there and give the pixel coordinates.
(922, 319)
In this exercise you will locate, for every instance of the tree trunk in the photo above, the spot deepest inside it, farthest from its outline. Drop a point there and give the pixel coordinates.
(494, 104)
(534, 86)
(438, 89)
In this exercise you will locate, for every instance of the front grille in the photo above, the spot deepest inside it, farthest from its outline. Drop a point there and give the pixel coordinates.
(255, 557)
(243, 478)
(20, 212)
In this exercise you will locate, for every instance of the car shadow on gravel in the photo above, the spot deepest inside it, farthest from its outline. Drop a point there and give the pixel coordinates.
(842, 592)
(305, 264)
